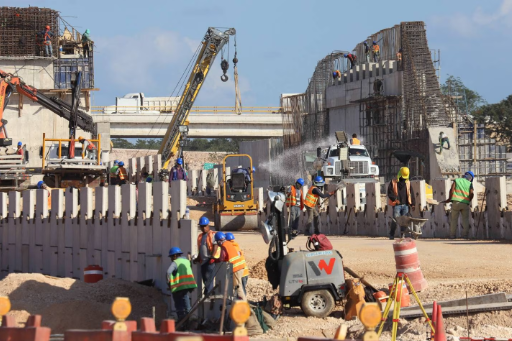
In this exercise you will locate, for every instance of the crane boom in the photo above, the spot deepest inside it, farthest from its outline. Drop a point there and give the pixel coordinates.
(213, 42)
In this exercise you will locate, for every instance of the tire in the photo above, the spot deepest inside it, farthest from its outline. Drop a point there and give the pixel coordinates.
(317, 303)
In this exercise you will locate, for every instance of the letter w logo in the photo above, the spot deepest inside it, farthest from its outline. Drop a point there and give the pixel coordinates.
(322, 265)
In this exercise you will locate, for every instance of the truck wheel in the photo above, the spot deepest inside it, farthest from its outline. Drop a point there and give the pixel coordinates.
(318, 303)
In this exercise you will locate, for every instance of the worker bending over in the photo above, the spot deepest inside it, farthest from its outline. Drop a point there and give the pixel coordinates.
(42, 185)
(230, 254)
(209, 251)
(400, 197)
(294, 200)
(181, 281)
(113, 173)
(245, 277)
(311, 202)
(122, 174)
(88, 148)
(461, 194)
(352, 58)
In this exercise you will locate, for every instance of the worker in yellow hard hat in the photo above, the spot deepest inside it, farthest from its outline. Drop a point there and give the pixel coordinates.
(400, 197)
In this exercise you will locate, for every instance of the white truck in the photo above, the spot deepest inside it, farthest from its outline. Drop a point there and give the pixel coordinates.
(137, 102)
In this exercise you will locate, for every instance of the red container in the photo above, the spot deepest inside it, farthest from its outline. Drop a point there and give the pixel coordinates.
(93, 274)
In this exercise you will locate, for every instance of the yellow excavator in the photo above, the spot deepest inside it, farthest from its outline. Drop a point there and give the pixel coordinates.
(236, 208)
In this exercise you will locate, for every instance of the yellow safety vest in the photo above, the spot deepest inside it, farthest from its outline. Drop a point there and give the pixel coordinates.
(311, 199)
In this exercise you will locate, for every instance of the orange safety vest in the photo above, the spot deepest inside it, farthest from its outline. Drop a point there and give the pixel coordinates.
(376, 48)
(234, 256)
(90, 146)
(355, 141)
(311, 199)
(395, 190)
(291, 200)
(122, 173)
(246, 268)
(209, 243)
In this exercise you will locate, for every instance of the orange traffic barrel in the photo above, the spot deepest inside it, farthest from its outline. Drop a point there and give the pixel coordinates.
(407, 262)
(93, 274)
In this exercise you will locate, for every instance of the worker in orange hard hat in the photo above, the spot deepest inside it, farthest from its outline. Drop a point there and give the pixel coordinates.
(47, 41)
(89, 150)
(400, 197)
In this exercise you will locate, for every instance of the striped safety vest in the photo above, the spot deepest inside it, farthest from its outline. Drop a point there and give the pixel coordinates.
(395, 190)
(246, 268)
(234, 256)
(291, 200)
(184, 278)
(311, 199)
(122, 173)
(461, 191)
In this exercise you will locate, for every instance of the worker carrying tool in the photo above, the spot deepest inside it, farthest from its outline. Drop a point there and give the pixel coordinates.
(354, 140)
(376, 52)
(209, 251)
(178, 172)
(181, 281)
(461, 194)
(352, 58)
(113, 173)
(86, 43)
(366, 49)
(230, 254)
(400, 197)
(294, 200)
(89, 149)
(311, 202)
(47, 41)
(122, 174)
(230, 237)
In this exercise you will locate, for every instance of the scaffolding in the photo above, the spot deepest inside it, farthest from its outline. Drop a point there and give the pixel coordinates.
(20, 30)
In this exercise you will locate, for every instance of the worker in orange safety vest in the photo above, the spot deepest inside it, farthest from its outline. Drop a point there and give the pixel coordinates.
(295, 200)
(229, 253)
(245, 277)
(311, 203)
(400, 197)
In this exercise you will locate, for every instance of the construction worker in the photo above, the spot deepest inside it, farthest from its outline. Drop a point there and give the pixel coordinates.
(147, 177)
(42, 185)
(311, 203)
(366, 49)
(354, 140)
(86, 43)
(376, 52)
(88, 148)
(461, 194)
(230, 254)
(47, 41)
(113, 173)
(352, 58)
(295, 201)
(336, 74)
(181, 281)
(442, 139)
(399, 59)
(400, 197)
(122, 174)
(208, 253)
(178, 172)
(230, 237)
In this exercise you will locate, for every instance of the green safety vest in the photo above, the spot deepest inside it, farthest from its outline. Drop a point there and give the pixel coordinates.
(461, 191)
(184, 278)
(113, 171)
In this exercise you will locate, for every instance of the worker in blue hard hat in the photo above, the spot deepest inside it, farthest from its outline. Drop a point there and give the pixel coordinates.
(20, 150)
(122, 174)
(208, 253)
(376, 51)
(230, 237)
(180, 279)
(461, 194)
(311, 203)
(229, 253)
(366, 50)
(352, 58)
(295, 200)
(178, 172)
(113, 173)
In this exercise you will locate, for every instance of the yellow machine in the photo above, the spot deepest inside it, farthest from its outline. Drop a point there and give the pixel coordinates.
(236, 208)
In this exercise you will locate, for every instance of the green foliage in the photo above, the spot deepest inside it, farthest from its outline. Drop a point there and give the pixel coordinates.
(201, 145)
(122, 143)
(498, 120)
(469, 102)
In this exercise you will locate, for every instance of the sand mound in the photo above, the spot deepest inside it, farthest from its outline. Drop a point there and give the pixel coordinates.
(65, 303)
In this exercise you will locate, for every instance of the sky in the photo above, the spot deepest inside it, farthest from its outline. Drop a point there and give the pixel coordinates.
(145, 46)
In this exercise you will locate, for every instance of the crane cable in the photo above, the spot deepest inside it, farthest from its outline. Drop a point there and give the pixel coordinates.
(238, 96)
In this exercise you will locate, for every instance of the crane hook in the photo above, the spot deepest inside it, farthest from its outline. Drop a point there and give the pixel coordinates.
(224, 65)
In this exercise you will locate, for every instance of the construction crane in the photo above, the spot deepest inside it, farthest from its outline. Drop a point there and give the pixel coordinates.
(213, 42)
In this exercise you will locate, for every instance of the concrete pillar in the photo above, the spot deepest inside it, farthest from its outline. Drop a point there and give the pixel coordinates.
(71, 260)
(4, 261)
(129, 232)
(103, 129)
(496, 203)
(86, 228)
(54, 233)
(420, 196)
(441, 189)
(392, 65)
(113, 265)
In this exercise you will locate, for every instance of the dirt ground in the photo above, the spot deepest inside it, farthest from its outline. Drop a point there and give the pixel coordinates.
(451, 268)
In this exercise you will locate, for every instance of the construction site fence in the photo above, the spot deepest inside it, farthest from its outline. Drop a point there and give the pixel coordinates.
(350, 217)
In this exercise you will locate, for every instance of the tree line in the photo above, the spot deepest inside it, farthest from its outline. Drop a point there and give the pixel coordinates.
(202, 145)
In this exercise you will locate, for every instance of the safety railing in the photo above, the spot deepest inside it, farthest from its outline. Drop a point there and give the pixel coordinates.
(169, 109)
(59, 153)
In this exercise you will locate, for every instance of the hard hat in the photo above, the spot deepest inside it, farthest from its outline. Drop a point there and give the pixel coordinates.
(254, 169)
(374, 42)
(116, 162)
(335, 74)
(179, 161)
(40, 184)
(175, 251)
(345, 55)
(230, 236)
(204, 221)
(47, 27)
(149, 178)
(365, 43)
(441, 132)
(87, 31)
(319, 181)
(220, 236)
(20, 144)
(80, 138)
(300, 181)
(404, 172)
(121, 163)
(470, 173)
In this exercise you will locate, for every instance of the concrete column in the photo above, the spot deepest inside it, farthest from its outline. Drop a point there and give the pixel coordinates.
(86, 228)
(392, 66)
(507, 225)
(420, 196)
(148, 160)
(103, 129)
(496, 203)
(54, 233)
(113, 265)
(441, 189)
(70, 257)
(4, 234)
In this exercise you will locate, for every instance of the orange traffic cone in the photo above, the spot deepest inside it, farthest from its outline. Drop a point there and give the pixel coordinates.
(440, 334)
